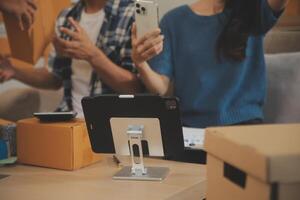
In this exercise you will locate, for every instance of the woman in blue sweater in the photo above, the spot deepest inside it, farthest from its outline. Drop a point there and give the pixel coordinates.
(210, 55)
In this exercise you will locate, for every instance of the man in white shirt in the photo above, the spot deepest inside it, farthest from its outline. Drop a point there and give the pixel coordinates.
(97, 59)
(91, 23)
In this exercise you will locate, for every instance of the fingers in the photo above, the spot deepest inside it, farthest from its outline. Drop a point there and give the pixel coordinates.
(31, 4)
(3, 77)
(148, 36)
(32, 12)
(70, 33)
(151, 43)
(61, 43)
(148, 46)
(27, 19)
(7, 78)
(64, 47)
(150, 53)
(74, 24)
(133, 33)
(21, 23)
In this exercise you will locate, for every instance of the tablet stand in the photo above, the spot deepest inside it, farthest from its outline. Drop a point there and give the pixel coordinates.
(138, 171)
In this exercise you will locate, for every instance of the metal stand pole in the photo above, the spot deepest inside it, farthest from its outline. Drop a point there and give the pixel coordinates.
(138, 171)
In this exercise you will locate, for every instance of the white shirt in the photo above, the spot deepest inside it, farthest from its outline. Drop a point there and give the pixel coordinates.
(81, 69)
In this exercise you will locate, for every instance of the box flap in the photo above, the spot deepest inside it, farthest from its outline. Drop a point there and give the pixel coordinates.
(68, 124)
(270, 153)
(5, 122)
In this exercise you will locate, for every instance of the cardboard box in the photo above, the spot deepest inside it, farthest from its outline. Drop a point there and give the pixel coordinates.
(59, 5)
(30, 45)
(63, 145)
(4, 122)
(253, 162)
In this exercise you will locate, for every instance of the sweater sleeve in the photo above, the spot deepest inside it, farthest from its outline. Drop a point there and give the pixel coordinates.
(269, 17)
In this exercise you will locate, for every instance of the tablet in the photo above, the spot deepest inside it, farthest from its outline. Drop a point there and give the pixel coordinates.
(159, 115)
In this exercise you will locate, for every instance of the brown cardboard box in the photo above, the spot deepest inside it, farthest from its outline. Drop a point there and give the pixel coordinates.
(4, 47)
(59, 5)
(5, 122)
(30, 45)
(63, 145)
(253, 162)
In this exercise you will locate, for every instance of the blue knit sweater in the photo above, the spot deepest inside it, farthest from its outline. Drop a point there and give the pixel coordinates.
(212, 93)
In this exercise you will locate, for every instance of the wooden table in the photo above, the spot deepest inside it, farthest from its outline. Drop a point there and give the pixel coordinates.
(185, 181)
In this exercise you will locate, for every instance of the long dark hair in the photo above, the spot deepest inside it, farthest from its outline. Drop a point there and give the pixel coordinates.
(244, 19)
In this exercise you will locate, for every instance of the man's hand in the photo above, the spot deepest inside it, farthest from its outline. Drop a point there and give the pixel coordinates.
(80, 47)
(147, 47)
(23, 10)
(7, 70)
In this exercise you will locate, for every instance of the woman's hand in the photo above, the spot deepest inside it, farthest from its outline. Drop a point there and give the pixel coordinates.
(7, 70)
(23, 10)
(147, 47)
(80, 47)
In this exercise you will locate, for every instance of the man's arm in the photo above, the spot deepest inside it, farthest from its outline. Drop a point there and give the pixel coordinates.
(36, 77)
(278, 5)
(39, 78)
(119, 79)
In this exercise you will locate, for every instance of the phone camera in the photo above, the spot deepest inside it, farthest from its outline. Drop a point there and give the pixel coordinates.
(140, 9)
(171, 105)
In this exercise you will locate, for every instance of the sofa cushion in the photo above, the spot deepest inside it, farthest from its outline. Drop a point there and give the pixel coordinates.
(17, 103)
(280, 40)
(50, 100)
(283, 99)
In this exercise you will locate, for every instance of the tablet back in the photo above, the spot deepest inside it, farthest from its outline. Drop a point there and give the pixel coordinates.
(99, 111)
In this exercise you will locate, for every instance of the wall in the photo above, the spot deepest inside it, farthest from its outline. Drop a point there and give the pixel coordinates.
(293, 8)
(166, 5)
(291, 16)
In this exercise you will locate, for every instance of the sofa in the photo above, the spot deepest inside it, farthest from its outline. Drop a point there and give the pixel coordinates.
(282, 49)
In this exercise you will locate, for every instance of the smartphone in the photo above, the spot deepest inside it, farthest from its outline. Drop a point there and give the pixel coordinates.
(146, 16)
(55, 116)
